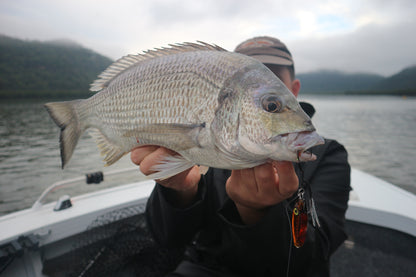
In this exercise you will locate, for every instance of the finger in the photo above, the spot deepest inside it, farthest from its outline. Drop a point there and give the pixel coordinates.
(234, 180)
(288, 180)
(268, 183)
(138, 154)
(148, 156)
(154, 158)
(247, 179)
(235, 185)
(267, 180)
(265, 173)
(184, 180)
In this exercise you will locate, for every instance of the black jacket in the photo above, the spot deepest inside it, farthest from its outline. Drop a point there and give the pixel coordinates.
(217, 238)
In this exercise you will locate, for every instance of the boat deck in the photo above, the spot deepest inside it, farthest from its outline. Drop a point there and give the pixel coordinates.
(368, 251)
(374, 251)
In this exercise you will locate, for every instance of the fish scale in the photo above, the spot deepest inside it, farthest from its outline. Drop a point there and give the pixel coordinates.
(168, 97)
(197, 99)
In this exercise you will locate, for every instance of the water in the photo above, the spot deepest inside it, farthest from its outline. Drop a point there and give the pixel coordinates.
(378, 133)
(30, 158)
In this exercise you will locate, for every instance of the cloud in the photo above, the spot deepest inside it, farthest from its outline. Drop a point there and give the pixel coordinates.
(347, 34)
(371, 48)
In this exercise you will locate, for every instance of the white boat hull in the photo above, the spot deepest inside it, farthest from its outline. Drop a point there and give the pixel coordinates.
(43, 231)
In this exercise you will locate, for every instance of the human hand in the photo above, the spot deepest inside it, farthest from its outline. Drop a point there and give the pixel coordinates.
(255, 189)
(185, 184)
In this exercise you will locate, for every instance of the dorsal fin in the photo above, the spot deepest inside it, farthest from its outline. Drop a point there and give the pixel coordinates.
(129, 61)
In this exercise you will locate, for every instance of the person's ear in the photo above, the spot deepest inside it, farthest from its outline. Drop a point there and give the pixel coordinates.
(295, 87)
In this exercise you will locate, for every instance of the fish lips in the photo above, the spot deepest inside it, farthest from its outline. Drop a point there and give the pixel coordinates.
(300, 142)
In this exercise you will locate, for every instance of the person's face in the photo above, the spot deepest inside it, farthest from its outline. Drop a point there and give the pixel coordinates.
(283, 74)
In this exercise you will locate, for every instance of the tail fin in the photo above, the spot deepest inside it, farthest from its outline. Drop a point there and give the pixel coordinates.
(66, 117)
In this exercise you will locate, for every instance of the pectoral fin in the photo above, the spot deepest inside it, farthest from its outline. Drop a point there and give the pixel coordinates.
(173, 136)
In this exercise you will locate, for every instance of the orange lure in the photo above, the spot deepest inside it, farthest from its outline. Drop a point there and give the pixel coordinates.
(299, 223)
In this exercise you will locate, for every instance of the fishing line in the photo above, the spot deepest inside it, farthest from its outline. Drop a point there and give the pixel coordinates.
(291, 241)
(289, 210)
(302, 183)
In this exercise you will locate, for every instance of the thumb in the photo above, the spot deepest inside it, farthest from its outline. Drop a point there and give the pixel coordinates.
(288, 180)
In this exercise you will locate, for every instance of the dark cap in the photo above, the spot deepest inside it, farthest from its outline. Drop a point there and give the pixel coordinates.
(268, 50)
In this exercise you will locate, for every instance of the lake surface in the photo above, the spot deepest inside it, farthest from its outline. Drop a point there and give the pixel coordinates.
(379, 133)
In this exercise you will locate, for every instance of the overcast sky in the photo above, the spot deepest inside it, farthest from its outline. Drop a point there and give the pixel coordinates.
(376, 36)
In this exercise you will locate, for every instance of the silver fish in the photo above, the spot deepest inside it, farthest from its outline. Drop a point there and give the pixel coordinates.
(215, 108)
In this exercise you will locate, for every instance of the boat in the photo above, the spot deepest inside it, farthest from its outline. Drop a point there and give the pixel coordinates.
(104, 233)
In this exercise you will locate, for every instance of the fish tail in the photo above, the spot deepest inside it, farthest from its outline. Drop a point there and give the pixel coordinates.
(66, 117)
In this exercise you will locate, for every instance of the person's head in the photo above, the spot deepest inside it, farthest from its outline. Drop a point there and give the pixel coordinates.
(275, 55)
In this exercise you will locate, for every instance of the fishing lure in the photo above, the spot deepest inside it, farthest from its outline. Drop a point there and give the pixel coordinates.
(299, 220)
(304, 206)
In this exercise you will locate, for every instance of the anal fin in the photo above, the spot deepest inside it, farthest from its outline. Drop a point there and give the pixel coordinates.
(170, 166)
(111, 152)
(203, 169)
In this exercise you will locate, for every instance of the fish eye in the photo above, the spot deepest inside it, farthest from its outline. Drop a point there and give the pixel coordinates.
(271, 103)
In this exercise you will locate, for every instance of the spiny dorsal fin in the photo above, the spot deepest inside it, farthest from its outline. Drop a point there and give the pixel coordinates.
(129, 61)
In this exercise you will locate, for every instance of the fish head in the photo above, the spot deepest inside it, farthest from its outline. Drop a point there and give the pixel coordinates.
(271, 123)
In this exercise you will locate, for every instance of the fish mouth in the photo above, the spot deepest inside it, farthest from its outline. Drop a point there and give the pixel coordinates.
(300, 142)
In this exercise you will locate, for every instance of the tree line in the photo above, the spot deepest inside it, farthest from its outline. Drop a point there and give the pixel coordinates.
(61, 69)
(47, 69)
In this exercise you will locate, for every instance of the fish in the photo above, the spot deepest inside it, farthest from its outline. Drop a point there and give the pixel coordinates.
(214, 107)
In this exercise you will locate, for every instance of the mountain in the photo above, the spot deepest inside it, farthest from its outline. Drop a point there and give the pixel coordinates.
(64, 68)
(326, 81)
(404, 80)
(44, 69)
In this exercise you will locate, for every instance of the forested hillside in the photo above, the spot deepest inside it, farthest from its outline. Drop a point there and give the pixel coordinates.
(45, 69)
(404, 80)
(336, 82)
(66, 69)
(326, 81)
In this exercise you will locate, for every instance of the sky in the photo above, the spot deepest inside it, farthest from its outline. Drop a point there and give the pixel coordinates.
(373, 36)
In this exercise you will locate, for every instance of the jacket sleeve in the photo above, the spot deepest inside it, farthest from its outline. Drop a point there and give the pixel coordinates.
(172, 226)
